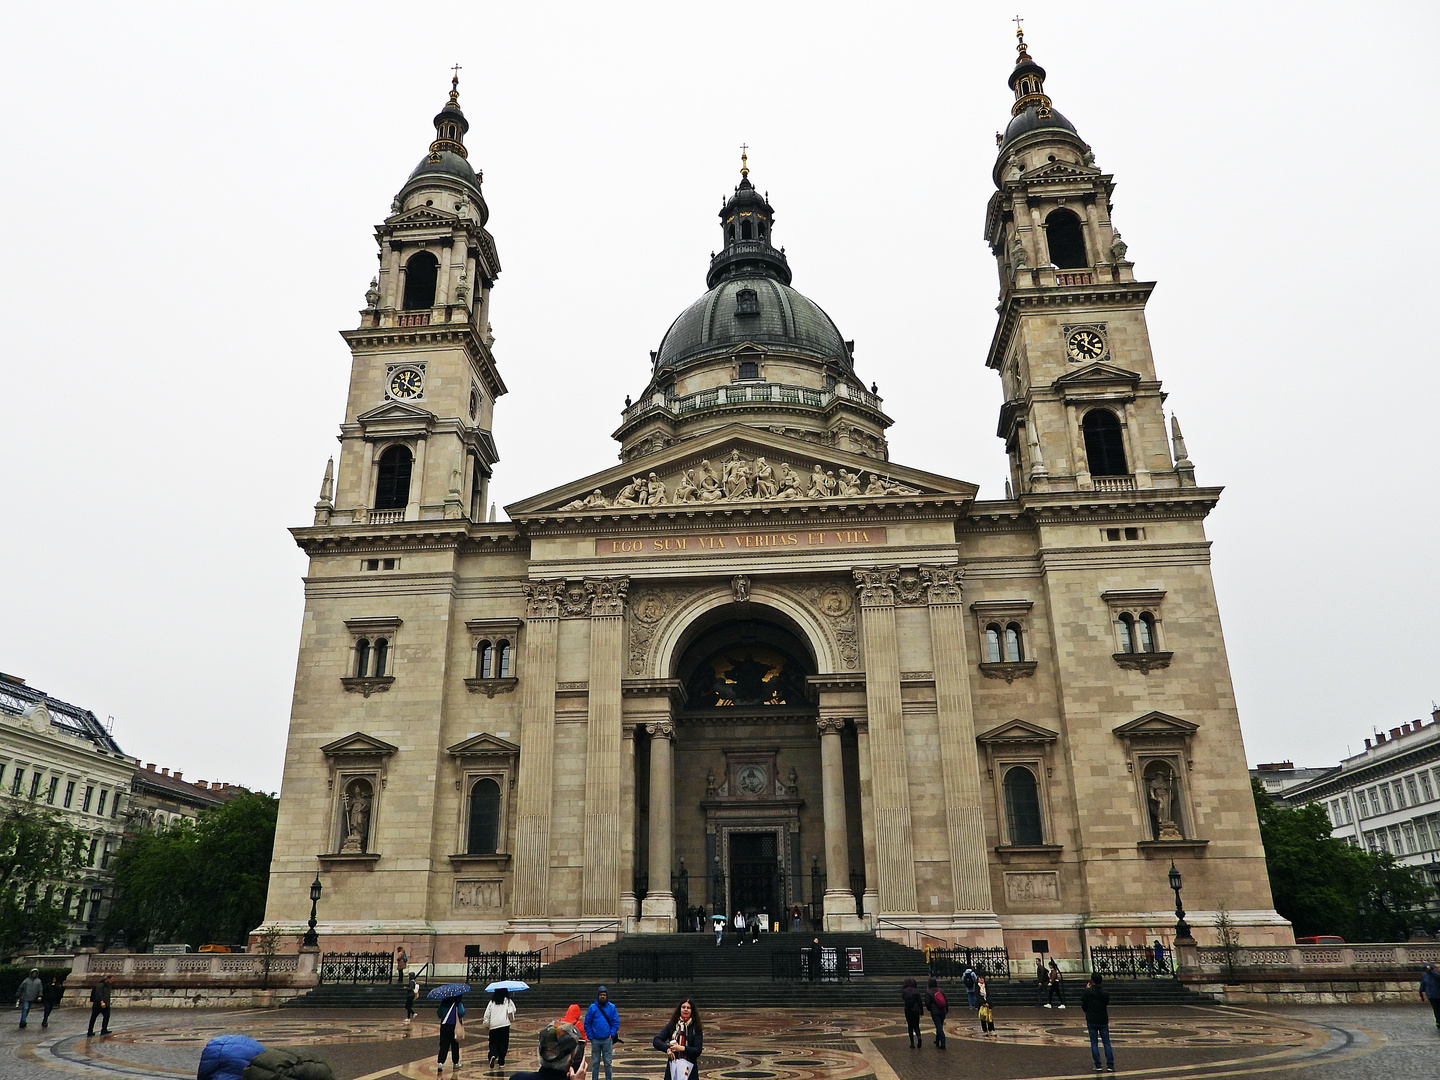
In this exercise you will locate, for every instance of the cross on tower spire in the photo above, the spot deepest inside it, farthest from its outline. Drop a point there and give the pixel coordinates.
(744, 161)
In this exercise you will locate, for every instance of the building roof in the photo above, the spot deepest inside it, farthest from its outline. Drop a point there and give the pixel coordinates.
(199, 793)
(18, 699)
(1406, 746)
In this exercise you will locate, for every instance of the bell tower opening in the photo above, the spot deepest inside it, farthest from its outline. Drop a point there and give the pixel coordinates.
(421, 272)
(1066, 240)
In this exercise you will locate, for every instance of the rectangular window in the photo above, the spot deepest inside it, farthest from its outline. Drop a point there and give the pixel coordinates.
(1411, 790)
(1395, 844)
(90, 794)
(1360, 805)
(35, 784)
(1375, 841)
(1345, 805)
(115, 806)
(94, 849)
(18, 780)
(100, 806)
(50, 795)
(1422, 834)
(69, 794)
(1384, 797)
(105, 858)
(1399, 793)
(2, 773)
(1425, 789)
(1407, 831)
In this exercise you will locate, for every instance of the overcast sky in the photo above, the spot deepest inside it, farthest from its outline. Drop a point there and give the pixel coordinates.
(192, 190)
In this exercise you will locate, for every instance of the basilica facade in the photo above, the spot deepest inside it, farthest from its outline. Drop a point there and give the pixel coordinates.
(757, 664)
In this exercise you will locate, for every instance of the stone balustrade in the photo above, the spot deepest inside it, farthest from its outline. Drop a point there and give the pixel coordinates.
(157, 970)
(1307, 974)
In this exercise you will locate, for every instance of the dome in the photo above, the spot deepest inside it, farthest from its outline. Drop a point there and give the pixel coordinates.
(785, 320)
(1030, 120)
(449, 164)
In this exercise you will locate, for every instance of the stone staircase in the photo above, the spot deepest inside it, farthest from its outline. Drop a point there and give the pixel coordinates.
(733, 976)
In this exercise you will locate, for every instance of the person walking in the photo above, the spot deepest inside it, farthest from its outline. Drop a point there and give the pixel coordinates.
(719, 921)
(682, 1039)
(100, 1006)
(452, 1030)
(910, 998)
(1429, 990)
(54, 991)
(499, 1015)
(31, 990)
(971, 982)
(558, 1043)
(754, 928)
(796, 920)
(1056, 986)
(602, 1024)
(411, 993)
(1095, 1004)
(938, 1007)
(739, 923)
(1042, 980)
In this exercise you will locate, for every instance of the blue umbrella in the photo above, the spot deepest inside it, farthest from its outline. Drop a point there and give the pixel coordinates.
(508, 984)
(449, 990)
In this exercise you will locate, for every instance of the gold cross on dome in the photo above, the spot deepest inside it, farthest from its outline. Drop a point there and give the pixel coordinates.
(744, 166)
(455, 79)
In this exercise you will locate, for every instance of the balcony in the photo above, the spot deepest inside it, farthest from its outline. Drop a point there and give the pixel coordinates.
(752, 393)
(386, 517)
(1074, 277)
(1114, 483)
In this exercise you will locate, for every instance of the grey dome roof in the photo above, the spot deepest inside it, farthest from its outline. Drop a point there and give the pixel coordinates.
(1029, 121)
(787, 320)
(450, 164)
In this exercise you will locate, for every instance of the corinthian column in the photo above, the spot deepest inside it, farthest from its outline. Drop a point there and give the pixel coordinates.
(537, 750)
(894, 847)
(959, 762)
(657, 911)
(871, 900)
(600, 892)
(839, 900)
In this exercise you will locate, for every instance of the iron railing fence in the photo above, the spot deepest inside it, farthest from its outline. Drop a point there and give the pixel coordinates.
(1132, 961)
(654, 965)
(357, 967)
(994, 963)
(822, 964)
(488, 967)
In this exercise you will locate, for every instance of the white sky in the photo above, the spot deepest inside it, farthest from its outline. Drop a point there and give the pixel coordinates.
(192, 191)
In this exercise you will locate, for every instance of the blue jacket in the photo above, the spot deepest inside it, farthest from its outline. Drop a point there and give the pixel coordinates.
(602, 1021)
(226, 1056)
(1429, 984)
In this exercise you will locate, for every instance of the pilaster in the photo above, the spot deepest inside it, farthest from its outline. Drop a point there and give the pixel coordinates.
(537, 750)
(602, 884)
(657, 910)
(871, 900)
(894, 847)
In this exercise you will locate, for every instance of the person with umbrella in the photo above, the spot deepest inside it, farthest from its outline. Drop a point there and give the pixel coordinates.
(499, 1014)
(452, 1014)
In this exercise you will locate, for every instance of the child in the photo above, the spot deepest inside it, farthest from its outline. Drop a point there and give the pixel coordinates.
(987, 1019)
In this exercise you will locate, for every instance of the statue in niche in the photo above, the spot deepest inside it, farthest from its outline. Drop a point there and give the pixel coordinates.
(372, 295)
(709, 484)
(462, 289)
(736, 472)
(655, 494)
(710, 783)
(849, 483)
(357, 801)
(789, 484)
(740, 585)
(794, 779)
(764, 479)
(1160, 787)
(685, 490)
(633, 493)
(1118, 248)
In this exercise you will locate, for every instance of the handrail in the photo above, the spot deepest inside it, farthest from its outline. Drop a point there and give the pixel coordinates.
(913, 938)
(419, 973)
(604, 928)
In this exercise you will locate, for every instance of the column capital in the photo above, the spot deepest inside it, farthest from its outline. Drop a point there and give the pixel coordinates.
(862, 725)
(942, 583)
(876, 585)
(607, 596)
(661, 730)
(830, 725)
(542, 599)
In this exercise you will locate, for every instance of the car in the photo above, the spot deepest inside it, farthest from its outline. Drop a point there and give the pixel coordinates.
(1320, 939)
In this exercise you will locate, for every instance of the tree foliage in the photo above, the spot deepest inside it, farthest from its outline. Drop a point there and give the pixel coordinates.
(199, 883)
(41, 857)
(1326, 886)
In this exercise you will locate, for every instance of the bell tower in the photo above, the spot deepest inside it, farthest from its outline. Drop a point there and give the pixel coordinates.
(1083, 404)
(416, 442)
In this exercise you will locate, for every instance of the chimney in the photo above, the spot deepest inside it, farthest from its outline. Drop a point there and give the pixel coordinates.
(1379, 738)
(1367, 745)
(1394, 733)
(1435, 713)
(164, 772)
(178, 774)
(150, 765)
(203, 785)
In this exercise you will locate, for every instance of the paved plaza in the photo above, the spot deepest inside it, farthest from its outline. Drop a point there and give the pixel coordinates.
(1396, 1042)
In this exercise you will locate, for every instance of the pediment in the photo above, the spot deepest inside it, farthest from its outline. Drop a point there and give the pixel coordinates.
(358, 744)
(1098, 374)
(1018, 731)
(1060, 170)
(396, 410)
(1156, 725)
(423, 215)
(483, 744)
(703, 472)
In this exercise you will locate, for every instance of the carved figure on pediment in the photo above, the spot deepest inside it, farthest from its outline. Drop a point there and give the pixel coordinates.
(849, 484)
(655, 494)
(709, 484)
(685, 490)
(819, 489)
(789, 484)
(765, 487)
(633, 493)
(737, 476)
(876, 486)
(1118, 248)
(894, 487)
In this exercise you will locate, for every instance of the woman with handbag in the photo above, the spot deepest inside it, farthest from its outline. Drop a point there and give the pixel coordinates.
(682, 1039)
(452, 1030)
(499, 1015)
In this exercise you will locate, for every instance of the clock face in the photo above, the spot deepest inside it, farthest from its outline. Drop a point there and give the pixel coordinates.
(1085, 345)
(406, 383)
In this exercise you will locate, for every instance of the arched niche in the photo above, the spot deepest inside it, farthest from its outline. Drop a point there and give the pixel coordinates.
(700, 612)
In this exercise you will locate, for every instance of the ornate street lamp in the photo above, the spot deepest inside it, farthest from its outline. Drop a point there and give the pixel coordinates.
(1182, 928)
(311, 941)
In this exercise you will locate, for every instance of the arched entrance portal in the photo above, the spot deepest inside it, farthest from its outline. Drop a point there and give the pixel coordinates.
(742, 756)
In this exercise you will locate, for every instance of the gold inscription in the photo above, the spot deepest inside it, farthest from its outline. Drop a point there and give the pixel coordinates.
(715, 543)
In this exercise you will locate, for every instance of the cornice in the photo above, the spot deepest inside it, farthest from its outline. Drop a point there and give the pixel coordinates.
(1341, 780)
(1151, 503)
(1017, 301)
(405, 536)
(873, 509)
(435, 335)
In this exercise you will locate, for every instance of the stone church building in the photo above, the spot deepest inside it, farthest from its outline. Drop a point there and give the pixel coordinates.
(759, 665)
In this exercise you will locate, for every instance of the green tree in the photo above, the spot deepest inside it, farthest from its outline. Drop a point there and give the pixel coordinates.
(42, 856)
(196, 882)
(1326, 886)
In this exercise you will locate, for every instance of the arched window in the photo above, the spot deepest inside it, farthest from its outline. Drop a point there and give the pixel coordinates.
(392, 486)
(1014, 647)
(762, 229)
(1145, 625)
(730, 234)
(420, 273)
(484, 832)
(1022, 807)
(382, 657)
(502, 654)
(485, 660)
(362, 658)
(1127, 632)
(992, 644)
(1104, 443)
(1066, 240)
(747, 231)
